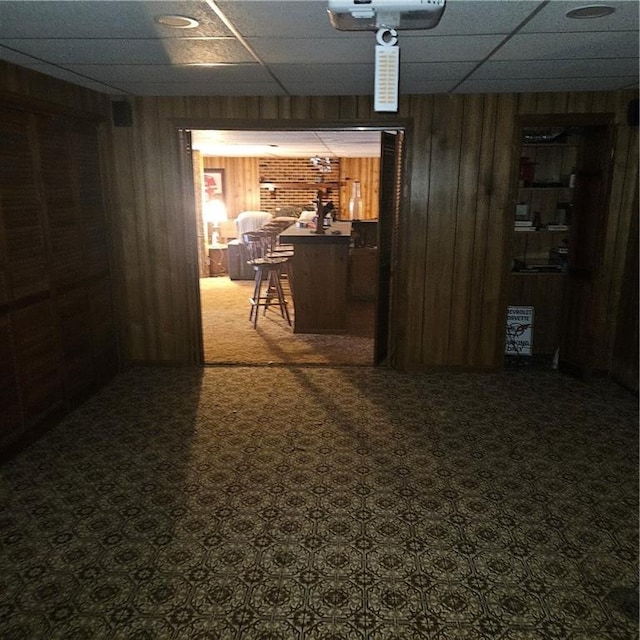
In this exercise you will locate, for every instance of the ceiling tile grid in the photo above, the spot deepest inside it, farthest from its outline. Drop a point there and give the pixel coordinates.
(288, 47)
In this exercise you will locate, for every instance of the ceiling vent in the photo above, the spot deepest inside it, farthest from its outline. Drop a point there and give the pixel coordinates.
(371, 15)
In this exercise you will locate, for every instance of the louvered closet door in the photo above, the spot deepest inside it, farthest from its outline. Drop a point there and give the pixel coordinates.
(12, 138)
(57, 329)
(97, 275)
(59, 167)
(32, 365)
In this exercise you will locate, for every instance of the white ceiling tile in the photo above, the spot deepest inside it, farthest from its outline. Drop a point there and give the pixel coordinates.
(472, 17)
(326, 79)
(16, 57)
(344, 88)
(510, 85)
(292, 144)
(245, 72)
(112, 19)
(418, 71)
(556, 68)
(187, 50)
(552, 46)
(426, 85)
(201, 88)
(412, 49)
(313, 50)
(70, 76)
(552, 18)
(431, 48)
(323, 74)
(275, 19)
(116, 46)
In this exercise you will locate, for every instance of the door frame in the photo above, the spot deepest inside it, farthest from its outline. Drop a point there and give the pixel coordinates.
(182, 125)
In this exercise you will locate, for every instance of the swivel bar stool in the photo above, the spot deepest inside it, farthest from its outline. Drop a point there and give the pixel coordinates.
(268, 272)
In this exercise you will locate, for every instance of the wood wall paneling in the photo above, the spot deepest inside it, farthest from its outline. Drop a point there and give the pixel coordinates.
(89, 200)
(11, 416)
(63, 233)
(488, 114)
(25, 261)
(38, 362)
(411, 263)
(104, 337)
(367, 172)
(130, 272)
(76, 340)
(623, 206)
(244, 175)
(625, 356)
(37, 91)
(446, 155)
(201, 227)
(499, 224)
(545, 292)
(452, 232)
(464, 228)
(242, 183)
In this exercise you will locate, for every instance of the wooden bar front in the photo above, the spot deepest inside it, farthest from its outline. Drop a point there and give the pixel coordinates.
(320, 278)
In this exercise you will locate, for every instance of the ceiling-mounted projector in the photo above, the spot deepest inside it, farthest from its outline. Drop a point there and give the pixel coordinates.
(371, 15)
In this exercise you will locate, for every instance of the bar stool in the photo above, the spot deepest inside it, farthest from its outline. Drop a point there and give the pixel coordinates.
(268, 271)
(276, 249)
(274, 229)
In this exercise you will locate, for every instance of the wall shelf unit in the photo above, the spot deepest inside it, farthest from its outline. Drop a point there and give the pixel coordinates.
(559, 194)
(544, 207)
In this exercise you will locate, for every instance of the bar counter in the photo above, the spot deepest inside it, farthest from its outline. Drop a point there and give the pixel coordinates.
(320, 277)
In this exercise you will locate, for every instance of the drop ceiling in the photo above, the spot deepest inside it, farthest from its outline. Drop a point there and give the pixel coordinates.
(288, 48)
(288, 144)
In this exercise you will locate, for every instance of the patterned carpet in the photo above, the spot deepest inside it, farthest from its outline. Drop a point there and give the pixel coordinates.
(229, 337)
(313, 503)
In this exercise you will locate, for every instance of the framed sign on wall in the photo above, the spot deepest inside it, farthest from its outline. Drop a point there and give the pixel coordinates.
(519, 331)
(213, 184)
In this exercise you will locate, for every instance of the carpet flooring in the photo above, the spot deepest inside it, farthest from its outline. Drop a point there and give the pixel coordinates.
(335, 503)
(229, 337)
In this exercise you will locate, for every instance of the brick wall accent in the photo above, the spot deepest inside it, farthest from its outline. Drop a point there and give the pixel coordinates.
(294, 170)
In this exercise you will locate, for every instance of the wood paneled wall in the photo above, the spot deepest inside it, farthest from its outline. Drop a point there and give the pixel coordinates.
(367, 172)
(19, 85)
(242, 182)
(625, 356)
(58, 324)
(58, 338)
(450, 279)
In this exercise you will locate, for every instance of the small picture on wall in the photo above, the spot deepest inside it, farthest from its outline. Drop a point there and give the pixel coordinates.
(214, 184)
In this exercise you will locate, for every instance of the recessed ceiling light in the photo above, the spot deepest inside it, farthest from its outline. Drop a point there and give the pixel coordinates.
(592, 11)
(177, 22)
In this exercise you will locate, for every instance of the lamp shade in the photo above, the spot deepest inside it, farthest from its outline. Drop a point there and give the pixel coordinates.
(214, 211)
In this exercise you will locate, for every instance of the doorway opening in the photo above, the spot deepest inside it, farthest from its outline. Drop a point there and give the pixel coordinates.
(281, 172)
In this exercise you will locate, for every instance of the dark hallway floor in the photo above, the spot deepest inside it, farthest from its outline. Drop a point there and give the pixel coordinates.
(316, 502)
